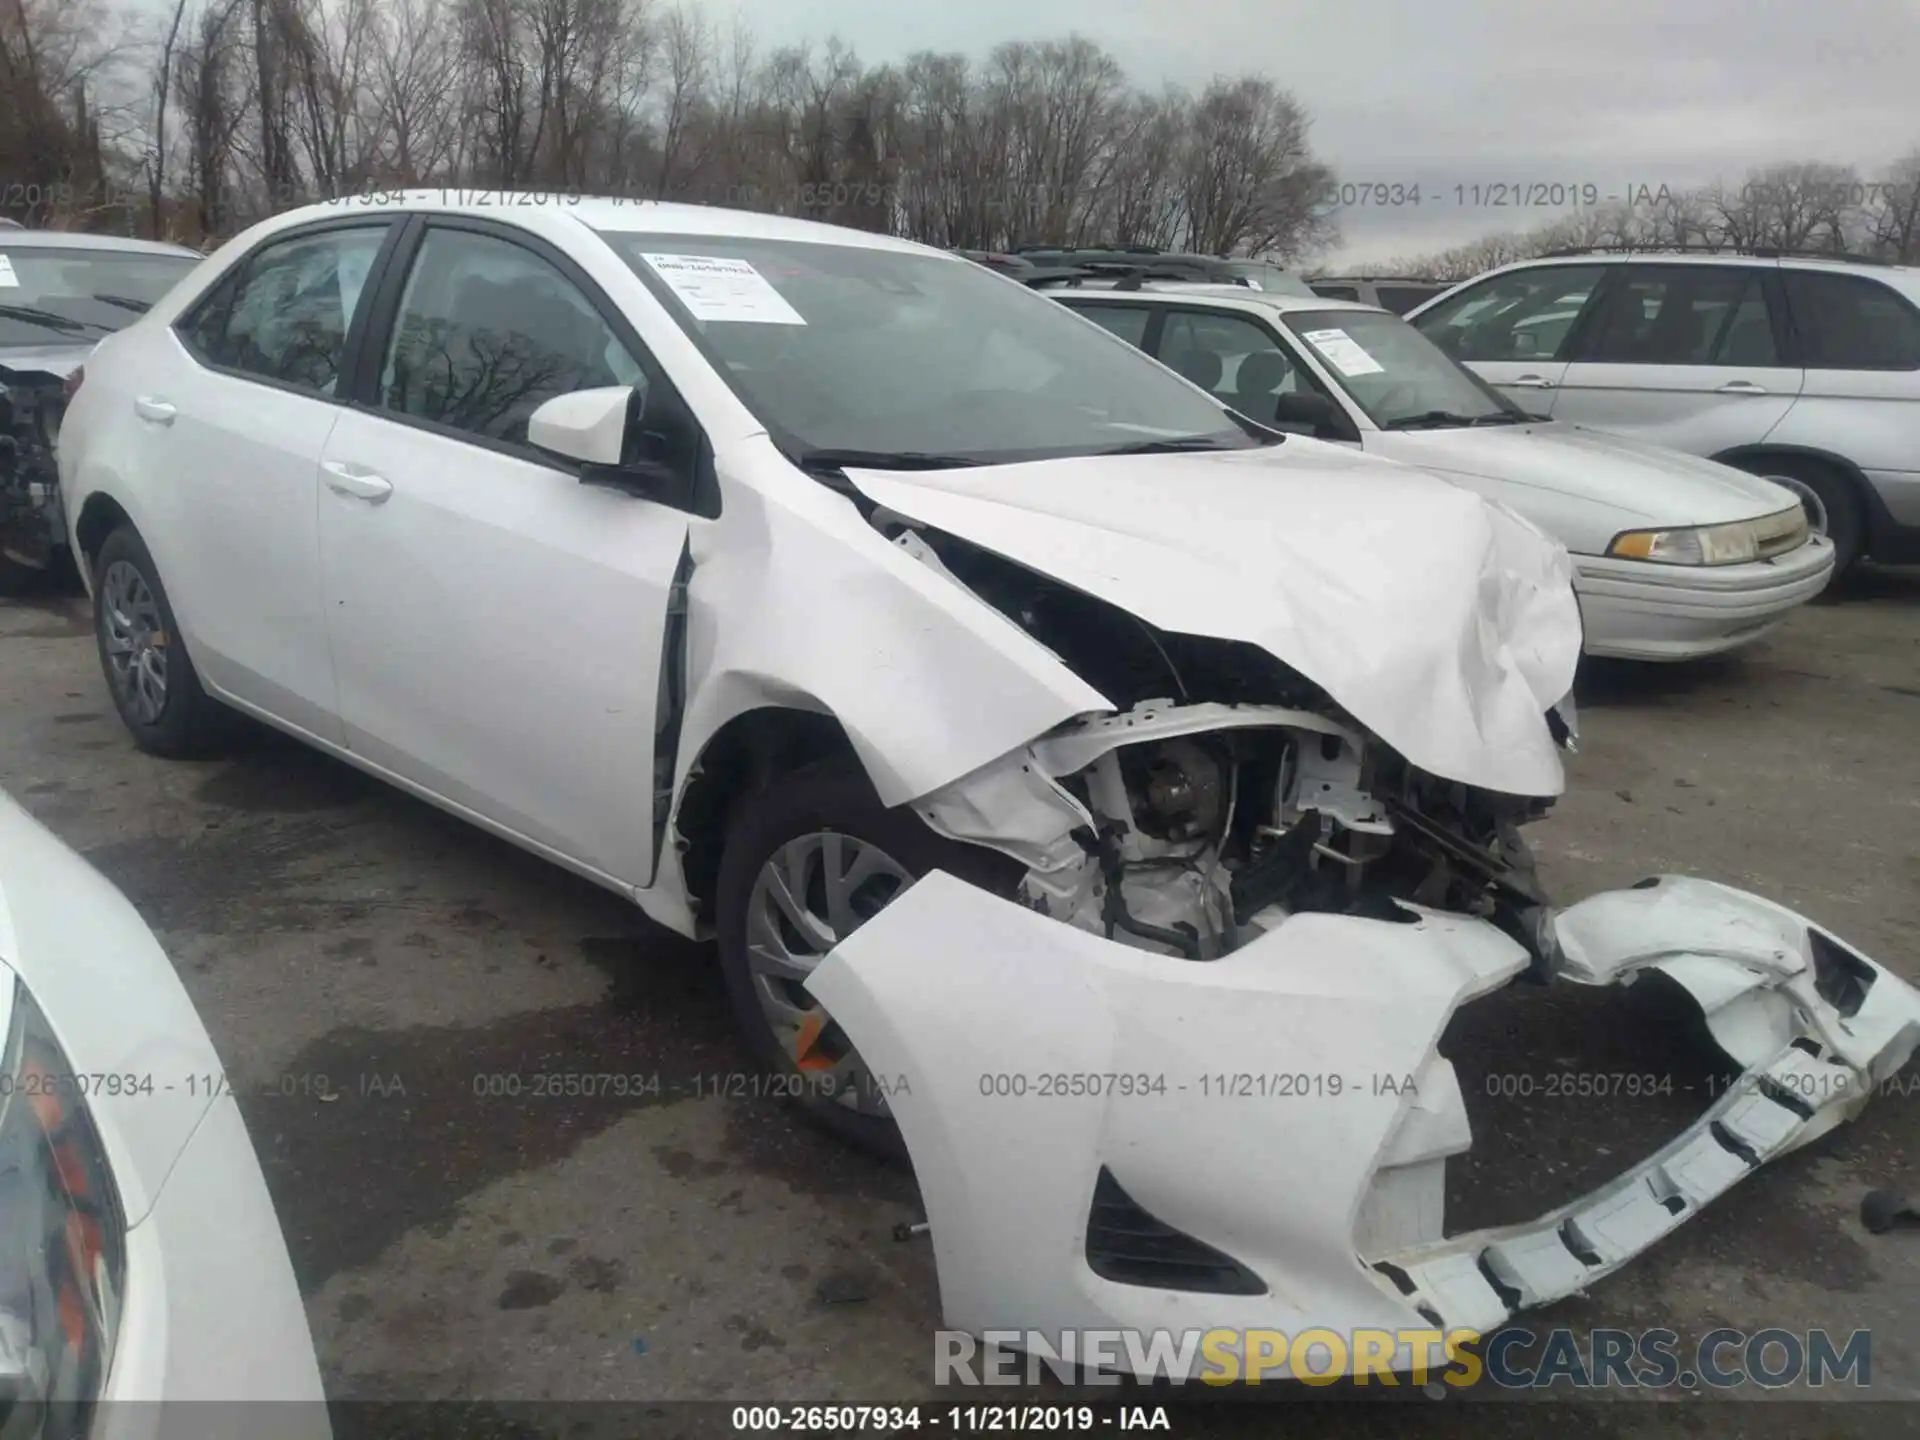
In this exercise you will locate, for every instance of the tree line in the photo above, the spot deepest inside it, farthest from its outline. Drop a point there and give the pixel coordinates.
(219, 112)
(1804, 205)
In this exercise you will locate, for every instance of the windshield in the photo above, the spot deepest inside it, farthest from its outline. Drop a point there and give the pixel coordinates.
(883, 353)
(1394, 373)
(50, 293)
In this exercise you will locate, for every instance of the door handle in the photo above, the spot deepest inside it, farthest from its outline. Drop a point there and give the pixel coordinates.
(1532, 382)
(151, 407)
(1741, 387)
(345, 479)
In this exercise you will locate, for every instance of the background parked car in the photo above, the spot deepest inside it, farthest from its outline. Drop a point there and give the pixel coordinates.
(59, 295)
(1803, 369)
(1396, 294)
(1675, 557)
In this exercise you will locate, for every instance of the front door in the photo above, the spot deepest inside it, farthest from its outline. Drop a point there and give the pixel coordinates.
(498, 625)
(1512, 329)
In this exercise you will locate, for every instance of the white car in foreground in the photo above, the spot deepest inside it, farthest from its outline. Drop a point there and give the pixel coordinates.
(1674, 557)
(757, 569)
(140, 1258)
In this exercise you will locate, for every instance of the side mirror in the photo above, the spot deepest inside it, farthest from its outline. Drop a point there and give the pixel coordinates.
(607, 432)
(1307, 412)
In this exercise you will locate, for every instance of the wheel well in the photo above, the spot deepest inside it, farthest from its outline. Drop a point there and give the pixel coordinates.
(1751, 458)
(744, 756)
(99, 518)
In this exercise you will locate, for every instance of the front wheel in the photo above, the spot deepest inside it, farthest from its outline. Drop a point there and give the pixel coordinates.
(808, 861)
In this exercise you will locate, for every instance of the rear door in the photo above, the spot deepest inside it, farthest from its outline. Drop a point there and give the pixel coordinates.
(1513, 329)
(1691, 356)
(233, 421)
(497, 625)
(1860, 339)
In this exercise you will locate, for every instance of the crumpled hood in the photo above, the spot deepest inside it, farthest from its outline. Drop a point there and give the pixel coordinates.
(1445, 624)
(1648, 485)
(59, 360)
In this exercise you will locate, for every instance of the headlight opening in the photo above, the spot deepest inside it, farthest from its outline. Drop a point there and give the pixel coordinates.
(62, 1240)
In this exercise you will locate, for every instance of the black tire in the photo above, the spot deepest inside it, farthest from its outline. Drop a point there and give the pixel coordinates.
(190, 723)
(829, 796)
(1846, 518)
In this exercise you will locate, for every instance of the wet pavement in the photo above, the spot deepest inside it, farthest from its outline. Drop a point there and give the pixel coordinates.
(389, 986)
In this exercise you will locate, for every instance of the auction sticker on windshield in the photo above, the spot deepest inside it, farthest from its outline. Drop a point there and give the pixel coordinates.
(8, 279)
(1344, 352)
(714, 287)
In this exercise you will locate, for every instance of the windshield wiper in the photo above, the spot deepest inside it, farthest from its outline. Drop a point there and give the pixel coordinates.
(1447, 419)
(1171, 445)
(826, 459)
(125, 302)
(31, 315)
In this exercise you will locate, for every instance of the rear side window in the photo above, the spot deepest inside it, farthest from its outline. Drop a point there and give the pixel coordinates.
(1129, 322)
(1683, 315)
(487, 332)
(284, 317)
(1847, 322)
(1522, 315)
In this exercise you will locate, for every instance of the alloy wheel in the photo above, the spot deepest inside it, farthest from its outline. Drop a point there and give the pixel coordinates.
(812, 893)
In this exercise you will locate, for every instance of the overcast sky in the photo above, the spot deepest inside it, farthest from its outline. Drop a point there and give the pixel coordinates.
(1612, 93)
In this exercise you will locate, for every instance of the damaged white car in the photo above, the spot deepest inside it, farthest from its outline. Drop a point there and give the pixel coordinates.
(769, 573)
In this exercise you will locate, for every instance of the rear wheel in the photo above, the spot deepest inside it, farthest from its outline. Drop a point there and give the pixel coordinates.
(808, 861)
(153, 683)
(1832, 503)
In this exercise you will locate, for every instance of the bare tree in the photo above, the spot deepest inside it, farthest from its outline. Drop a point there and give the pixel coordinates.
(1251, 182)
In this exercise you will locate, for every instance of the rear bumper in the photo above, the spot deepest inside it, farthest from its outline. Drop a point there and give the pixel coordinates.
(1635, 610)
(1287, 1106)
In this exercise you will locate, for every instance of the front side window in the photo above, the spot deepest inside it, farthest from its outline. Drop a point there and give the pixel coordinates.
(889, 353)
(1683, 315)
(1522, 315)
(285, 317)
(1235, 358)
(487, 332)
(1847, 322)
(50, 294)
(1396, 374)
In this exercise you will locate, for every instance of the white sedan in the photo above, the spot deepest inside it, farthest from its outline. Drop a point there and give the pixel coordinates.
(759, 569)
(140, 1257)
(1674, 557)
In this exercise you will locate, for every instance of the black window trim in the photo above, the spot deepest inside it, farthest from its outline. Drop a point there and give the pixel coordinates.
(1798, 351)
(228, 283)
(366, 357)
(1580, 338)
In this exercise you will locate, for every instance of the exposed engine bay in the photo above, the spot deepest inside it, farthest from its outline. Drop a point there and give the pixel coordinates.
(30, 520)
(1228, 795)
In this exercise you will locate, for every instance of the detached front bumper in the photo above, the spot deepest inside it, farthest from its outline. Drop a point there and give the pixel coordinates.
(1090, 1123)
(1636, 610)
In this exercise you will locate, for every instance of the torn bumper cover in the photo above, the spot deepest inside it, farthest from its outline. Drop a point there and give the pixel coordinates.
(1107, 1139)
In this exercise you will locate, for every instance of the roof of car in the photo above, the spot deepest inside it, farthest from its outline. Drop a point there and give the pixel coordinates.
(612, 215)
(1229, 296)
(76, 240)
(1669, 255)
